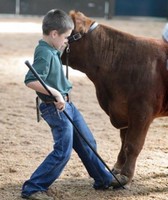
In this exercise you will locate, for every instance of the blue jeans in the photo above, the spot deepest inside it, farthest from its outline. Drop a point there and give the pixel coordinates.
(66, 139)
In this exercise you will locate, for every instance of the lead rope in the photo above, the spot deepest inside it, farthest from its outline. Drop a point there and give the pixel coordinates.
(67, 57)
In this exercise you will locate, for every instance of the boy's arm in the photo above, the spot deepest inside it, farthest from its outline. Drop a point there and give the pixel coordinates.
(36, 85)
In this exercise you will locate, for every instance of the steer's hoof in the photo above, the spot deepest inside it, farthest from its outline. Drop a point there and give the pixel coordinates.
(119, 181)
(116, 171)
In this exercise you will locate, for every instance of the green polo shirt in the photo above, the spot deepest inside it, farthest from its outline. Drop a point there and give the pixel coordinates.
(48, 65)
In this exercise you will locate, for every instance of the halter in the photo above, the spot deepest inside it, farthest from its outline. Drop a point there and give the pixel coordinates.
(78, 36)
(73, 38)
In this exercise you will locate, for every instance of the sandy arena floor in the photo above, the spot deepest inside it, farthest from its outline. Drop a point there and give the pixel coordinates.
(24, 143)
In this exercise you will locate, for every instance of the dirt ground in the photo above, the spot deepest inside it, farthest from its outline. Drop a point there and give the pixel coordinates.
(24, 143)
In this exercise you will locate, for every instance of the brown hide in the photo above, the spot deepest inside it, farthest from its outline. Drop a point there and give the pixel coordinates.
(131, 81)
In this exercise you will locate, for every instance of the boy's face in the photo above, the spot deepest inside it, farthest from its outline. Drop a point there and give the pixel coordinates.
(59, 41)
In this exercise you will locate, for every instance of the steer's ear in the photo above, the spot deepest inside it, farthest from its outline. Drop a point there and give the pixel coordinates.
(82, 23)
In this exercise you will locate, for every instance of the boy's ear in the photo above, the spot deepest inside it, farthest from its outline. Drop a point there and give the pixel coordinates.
(81, 22)
(54, 33)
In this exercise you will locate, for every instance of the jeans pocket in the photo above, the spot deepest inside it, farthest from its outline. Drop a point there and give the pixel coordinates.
(51, 115)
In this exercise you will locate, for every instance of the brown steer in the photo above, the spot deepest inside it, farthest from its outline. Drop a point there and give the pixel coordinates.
(131, 81)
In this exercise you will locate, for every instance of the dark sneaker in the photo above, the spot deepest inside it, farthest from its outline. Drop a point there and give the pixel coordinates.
(38, 196)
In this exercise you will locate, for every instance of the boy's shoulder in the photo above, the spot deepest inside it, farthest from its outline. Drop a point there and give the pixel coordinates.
(43, 49)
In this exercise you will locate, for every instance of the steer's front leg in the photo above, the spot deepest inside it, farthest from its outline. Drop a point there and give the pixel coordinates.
(122, 154)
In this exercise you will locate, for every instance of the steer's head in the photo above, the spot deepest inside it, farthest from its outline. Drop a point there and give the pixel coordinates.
(79, 56)
(82, 23)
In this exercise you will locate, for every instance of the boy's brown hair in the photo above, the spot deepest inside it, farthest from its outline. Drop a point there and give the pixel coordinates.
(57, 20)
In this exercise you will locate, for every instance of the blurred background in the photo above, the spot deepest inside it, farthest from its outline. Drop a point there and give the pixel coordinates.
(92, 8)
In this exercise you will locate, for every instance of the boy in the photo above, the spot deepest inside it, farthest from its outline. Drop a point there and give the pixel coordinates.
(57, 27)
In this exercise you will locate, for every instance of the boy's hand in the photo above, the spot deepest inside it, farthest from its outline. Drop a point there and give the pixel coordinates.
(60, 104)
